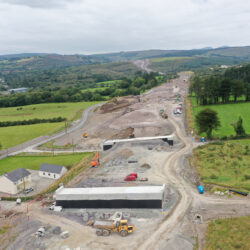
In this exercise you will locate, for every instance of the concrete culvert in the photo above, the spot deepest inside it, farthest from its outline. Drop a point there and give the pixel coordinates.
(198, 219)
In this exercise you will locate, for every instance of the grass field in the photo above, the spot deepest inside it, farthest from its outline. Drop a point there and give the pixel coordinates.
(227, 113)
(233, 233)
(47, 110)
(33, 162)
(14, 135)
(93, 89)
(225, 163)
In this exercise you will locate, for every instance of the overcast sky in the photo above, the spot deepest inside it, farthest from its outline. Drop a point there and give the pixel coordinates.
(98, 26)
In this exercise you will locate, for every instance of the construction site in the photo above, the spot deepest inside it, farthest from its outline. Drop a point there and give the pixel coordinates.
(139, 189)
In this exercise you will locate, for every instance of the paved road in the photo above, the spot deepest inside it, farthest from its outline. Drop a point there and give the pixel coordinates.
(31, 146)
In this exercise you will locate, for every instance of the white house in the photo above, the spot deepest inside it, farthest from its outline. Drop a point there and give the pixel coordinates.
(52, 171)
(15, 181)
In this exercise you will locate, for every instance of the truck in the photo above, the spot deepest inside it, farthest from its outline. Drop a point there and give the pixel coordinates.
(105, 227)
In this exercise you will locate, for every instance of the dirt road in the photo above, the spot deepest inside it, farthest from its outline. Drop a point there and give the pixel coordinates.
(171, 224)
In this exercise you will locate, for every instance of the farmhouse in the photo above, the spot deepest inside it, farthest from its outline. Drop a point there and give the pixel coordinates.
(52, 171)
(15, 181)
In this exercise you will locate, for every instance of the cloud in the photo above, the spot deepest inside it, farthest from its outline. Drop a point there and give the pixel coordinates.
(95, 26)
(39, 3)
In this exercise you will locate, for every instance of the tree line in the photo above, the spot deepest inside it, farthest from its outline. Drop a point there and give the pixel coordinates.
(233, 83)
(135, 86)
(31, 121)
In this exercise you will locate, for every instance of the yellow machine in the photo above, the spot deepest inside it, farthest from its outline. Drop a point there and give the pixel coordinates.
(85, 135)
(105, 227)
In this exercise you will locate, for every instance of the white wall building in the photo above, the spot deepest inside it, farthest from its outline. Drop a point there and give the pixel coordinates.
(52, 171)
(15, 181)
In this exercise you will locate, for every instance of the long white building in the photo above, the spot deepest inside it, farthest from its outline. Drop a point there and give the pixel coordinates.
(111, 197)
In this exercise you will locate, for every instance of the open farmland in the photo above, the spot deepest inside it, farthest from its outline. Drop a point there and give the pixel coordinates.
(14, 135)
(47, 110)
(33, 162)
(233, 233)
(227, 113)
(225, 163)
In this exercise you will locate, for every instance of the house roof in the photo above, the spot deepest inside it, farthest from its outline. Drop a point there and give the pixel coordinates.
(51, 168)
(17, 174)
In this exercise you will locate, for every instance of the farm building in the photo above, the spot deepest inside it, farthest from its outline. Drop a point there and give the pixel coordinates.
(15, 181)
(52, 171)
(111, 197)
(19, 90)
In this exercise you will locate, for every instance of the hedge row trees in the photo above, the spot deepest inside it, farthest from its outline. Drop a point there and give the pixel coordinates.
(235, 82)
(212, 90)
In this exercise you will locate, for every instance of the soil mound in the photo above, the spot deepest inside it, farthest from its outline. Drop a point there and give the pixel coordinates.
(118, 103)
(124, 134)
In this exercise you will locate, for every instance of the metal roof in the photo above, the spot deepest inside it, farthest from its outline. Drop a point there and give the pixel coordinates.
(17, 174)
(51, 168)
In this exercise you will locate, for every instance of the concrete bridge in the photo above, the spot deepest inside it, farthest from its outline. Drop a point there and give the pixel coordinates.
(110, 143)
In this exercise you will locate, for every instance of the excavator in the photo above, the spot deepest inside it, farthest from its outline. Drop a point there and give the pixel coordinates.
(96, 161)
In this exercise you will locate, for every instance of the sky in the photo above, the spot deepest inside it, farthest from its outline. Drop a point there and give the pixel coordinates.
(101, 26)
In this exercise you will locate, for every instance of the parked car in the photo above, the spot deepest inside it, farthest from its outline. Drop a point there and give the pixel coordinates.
(130, 178)
(28, 190)
(133, 174)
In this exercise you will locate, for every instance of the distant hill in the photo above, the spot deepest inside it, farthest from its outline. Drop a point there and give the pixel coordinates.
(38, 69)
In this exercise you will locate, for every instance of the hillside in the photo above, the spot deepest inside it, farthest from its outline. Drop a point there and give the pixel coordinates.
(39, 70)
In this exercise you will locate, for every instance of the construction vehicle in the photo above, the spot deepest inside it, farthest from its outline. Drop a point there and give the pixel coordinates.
(96, 161)
(85, 135)
(105, 227)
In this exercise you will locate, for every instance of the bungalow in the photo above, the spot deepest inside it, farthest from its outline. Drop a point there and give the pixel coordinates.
(15, 181)
(52, 171)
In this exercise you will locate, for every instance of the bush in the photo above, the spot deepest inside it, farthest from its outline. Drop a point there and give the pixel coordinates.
(31, 121)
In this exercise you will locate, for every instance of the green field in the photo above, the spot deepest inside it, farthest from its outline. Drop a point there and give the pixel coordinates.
(33, 162)
(47, 110)
(14, 135)
(225, 163)
(227, 113)
(232, 233)
(93, 89)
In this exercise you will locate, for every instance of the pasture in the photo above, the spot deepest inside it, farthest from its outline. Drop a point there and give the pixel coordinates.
(33, 162)
(14, 135)
(227, 114)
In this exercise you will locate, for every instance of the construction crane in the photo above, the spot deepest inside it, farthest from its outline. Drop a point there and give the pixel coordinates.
(96, 161)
